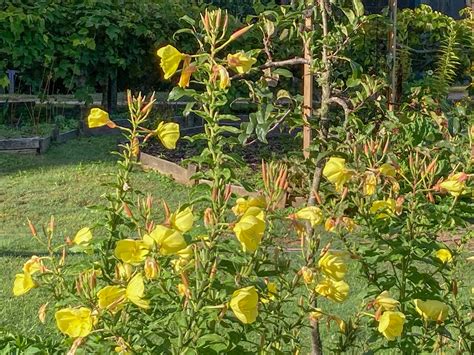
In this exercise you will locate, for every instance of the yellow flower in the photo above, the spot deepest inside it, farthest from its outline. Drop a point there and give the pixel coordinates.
(330, 225)
(391, 324)
(272, 289)
(151, 268)
(97, 118)
(182, 220)
(311, 213)
(240, 62)
(224, 80)
(33, 265)
(444, 255)
(316, 315)
(383, 208)
(186, 73)
(111, 298)
(75, 322)
(432, 310)
(332, 265)
(131, 251)
(370, 184)
(388, 170)
(455, 184)
(335, 171)
(22, 284)
(307, 275)
(123, 271)
(336, 291)
(182, 290)
(83, 237)
(170, 60)
(244, 304)
(386, 302)
(168, 133)
(250, 228)
(340, 323)
(243, 204)
(135, 292)
(169, 241)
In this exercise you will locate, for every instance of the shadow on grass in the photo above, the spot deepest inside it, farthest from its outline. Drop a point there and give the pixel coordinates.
(73, 152)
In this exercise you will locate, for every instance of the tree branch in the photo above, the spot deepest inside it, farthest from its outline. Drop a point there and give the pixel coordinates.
(282, 63)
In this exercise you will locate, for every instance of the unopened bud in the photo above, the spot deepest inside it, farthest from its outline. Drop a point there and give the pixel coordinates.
(399, 204)
(63, 257)
(209, 219)
(127, 210)
(240, 32)
(149, 202)
(32, 228)
(42, 313)
(129, 99)
(92, 280)
(454, 288)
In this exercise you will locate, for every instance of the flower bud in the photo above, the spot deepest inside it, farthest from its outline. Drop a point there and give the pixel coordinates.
(240, 32)
(151, 268)
(32, 228)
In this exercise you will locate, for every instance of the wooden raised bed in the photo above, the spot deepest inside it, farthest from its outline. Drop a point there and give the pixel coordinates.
(30, 145)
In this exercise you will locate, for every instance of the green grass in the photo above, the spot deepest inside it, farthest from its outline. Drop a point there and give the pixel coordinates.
(63, 183)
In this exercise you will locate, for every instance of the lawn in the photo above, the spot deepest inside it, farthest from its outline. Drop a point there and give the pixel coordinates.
(62, 183)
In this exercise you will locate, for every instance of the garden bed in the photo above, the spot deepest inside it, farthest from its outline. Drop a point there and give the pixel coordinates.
(176, 164)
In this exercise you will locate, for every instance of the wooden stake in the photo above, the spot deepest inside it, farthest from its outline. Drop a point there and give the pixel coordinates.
(393, 4)
(307, 85)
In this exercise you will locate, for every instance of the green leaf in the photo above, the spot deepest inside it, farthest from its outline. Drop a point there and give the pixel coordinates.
(358, 7)
(283, 72)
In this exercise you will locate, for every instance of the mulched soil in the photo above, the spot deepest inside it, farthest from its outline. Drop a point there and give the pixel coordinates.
(277, 147)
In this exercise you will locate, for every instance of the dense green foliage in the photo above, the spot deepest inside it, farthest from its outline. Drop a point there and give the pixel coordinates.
(76, 46)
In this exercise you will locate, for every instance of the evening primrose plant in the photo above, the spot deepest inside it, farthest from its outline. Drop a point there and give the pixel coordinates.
(213, 276)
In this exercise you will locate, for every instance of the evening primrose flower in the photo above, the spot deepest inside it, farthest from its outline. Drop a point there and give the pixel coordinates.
(98, 118)
(455, 184)
(386, 302)
(111, 298)
(244, 304)
(219, 71)
(243, 204)
(391, 324)
(168, 134)
(33, 265)
(432, 310)
(170, 60)
(186, 73)
(23, 283)
(336, 291)
(250, 228)
(444, 255)
(370, 184)
(311, 213)
(388, 170)
(240, 62)
(332, 265)
(182, 290)
(74, 322)
(383, 208)
(335, 171)
(330, 225)
(83, 237)
(182, 220)
(169, 241)
(131, 251)
(135, 292)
